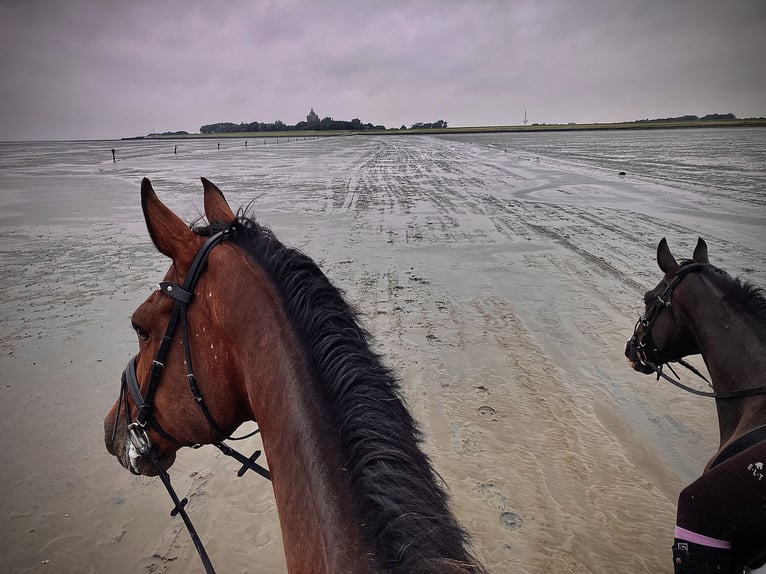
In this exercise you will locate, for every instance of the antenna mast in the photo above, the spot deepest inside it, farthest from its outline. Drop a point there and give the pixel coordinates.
(525, 118)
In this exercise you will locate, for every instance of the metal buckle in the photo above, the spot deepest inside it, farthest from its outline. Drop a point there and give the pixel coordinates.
(138, 438)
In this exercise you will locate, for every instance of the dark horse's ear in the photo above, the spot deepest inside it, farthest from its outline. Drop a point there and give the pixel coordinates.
(170, 234)
(700, 252)
(216, 207)
(665, 258)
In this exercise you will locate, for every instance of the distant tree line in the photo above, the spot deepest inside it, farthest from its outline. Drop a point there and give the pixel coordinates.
(425, 126)
(691, 118)
(312, 123)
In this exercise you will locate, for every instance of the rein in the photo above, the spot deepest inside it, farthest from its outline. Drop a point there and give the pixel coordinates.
(646, 342)
(730, 395)
(140, 445)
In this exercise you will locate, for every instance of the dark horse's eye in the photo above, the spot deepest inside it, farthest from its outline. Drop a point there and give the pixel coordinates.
(142, 334)
(650, 298)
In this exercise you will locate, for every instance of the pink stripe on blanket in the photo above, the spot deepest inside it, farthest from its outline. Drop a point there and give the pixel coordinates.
(701, 539)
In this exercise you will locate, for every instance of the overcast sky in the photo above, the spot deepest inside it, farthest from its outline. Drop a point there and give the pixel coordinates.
(76, 69)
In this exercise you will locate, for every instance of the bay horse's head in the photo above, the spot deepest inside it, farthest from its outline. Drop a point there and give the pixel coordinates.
(161, 407)
(660, 335)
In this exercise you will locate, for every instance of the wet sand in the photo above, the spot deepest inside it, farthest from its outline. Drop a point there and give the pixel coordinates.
(501, 288)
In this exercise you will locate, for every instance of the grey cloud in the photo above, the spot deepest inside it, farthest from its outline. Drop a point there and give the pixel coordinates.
(109, 69)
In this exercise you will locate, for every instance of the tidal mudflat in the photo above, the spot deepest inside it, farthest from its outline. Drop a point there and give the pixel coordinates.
(499, 284)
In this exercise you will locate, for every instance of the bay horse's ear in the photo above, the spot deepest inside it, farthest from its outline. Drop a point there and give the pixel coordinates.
(216, 207)
(170, 234)
(700, 252)
(665, 258)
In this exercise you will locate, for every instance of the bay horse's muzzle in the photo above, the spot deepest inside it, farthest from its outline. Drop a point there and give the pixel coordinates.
(120, 445)
(128, 440)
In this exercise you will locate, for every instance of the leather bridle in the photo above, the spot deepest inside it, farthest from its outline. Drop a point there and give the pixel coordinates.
(182, 295)
(140, 444)
(644, 345)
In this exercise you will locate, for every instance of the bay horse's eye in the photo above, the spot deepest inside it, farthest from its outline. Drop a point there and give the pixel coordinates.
(142, 334)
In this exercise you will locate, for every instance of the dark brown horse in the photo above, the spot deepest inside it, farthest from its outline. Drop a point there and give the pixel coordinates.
(272, 340)
(700, 309)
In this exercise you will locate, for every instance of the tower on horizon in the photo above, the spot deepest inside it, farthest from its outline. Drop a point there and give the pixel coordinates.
(525, 117)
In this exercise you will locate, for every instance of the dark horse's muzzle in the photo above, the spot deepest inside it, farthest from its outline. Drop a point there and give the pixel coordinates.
(635, 350)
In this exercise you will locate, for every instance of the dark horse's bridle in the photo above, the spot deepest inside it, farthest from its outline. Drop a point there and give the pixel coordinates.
(183, 295)
(642, 346)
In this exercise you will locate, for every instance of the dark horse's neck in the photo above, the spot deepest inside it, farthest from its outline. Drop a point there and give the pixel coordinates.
(727, 322)
(354, 491)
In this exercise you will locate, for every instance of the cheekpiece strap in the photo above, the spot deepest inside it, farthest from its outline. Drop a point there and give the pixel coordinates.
(176, 292)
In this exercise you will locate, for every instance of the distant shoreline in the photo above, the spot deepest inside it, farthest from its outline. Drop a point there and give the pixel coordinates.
(638, 125)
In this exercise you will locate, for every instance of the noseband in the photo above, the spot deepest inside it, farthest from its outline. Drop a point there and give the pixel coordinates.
(644, 344)
(183, 295)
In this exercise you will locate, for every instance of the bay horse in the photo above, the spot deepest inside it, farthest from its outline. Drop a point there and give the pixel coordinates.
(273, 341)
(700, 309)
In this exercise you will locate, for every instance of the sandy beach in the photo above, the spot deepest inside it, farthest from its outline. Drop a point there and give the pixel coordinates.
(500, 286)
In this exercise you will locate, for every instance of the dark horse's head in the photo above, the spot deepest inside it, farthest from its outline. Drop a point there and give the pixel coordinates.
(659, 337)
(173, 417)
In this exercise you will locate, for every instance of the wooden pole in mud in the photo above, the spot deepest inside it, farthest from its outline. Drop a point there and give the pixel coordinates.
(114, 158)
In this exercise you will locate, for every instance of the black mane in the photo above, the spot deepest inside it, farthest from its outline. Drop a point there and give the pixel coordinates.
(403, 507)
(742, 294)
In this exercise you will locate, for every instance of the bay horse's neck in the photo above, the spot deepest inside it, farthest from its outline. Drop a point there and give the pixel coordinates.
(319, 523)
(733, 347)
